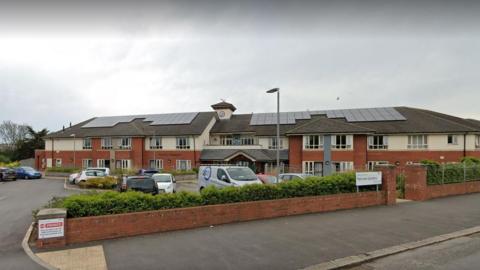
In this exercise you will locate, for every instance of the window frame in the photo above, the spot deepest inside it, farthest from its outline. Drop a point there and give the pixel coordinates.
(87, 163)
(347, 145)
(158, 143)
(452, 139)
(158, 164)
(125, 146)
(59, 164)
(372, 163)
(179, 145)
(85, 145)
(309, 142)
(413, 141)
(188, 164)
(374, 142)
(477, 141)
(106, 146)
(272, 143)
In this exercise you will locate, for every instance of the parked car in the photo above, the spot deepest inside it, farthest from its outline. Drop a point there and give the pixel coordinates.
(7, 174)
(267, 179)
(72, 177)
(225, 176)
(293, 176)
(27, 173)
(103, 169)
(143, 184)
(166, 182)
(88, 174)
(147, 172)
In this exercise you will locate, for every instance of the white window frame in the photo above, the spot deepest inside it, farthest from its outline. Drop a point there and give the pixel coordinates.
(58, 162)
(156, 142)
(452, 139)
(419, 141)
(348, 141)
(188, 164)
(309, 167)
(87, 163)
(374, 142)
(272, 143)
(126, 143)
(157, 163)
(345, 166)
(477, 141)
(124, 164)
(101, 163)
(107, 143)
(313, 142)
(180, 144)
(371, 164)
(87, 143)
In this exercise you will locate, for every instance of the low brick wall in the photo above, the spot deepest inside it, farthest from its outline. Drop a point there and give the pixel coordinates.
(437, 191)
(80, 230)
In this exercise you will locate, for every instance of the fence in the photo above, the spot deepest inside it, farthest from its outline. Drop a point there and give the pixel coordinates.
(438, 174)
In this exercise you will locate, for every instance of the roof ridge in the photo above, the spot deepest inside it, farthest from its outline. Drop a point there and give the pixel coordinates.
(432, 114)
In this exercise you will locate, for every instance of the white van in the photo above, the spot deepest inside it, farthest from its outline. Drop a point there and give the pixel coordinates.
(225, 176)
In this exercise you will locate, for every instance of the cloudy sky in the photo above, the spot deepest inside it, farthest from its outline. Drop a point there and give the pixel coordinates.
(62, 62)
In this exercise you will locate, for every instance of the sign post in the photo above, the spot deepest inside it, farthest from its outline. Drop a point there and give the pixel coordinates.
(51, 227)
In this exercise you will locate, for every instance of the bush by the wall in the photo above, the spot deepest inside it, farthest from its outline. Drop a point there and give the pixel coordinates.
(93, 204)
(10, 164)
(108, 182)
(62, 170)
(471, 161)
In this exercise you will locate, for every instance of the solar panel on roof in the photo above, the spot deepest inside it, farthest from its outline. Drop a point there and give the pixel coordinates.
(155, 119)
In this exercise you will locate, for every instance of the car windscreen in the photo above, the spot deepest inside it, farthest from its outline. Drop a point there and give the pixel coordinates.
(95, 173)
(162, 178)
(28, 169)
(241, 174)
(271, 179)
(139, 182)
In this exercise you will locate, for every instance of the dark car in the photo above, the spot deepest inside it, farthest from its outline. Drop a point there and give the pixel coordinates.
(27, 173)
(7, 174)
(143, 184)
(147, 172)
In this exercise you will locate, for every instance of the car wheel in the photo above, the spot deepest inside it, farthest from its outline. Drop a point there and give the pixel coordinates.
(26, 177)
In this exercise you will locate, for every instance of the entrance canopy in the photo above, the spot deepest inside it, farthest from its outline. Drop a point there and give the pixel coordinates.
(260, 155)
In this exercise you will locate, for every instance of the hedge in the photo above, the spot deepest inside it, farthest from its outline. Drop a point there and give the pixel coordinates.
(452, 173)
(108, 182)
(93, 204)
(63, 170)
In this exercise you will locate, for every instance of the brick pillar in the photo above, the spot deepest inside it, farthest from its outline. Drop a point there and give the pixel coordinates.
(51, 228)
(415, 182)
(389, 183)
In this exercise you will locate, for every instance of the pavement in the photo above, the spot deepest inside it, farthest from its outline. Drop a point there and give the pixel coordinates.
(295, 242)
(460, 254)
(17, 200)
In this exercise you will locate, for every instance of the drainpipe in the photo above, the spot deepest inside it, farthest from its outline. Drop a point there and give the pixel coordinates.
(465, 145)
(53, 151)
(194, 153)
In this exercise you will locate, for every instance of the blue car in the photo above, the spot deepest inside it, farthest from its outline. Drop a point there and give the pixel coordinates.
(27, 173)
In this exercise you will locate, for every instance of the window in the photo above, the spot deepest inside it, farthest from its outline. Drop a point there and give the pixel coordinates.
(377, 142)
(221, 173)
(184, 165)
(237, 140)
(58, 162)
(313, 142)
(123, 164)
(477, 141)
(103, 163)
(107, 143)
(342, 141)
(126, 143)
(452, 139)
(417, 142)
(156, 164)
(183, 143)
(86, 163)
(343, 166)
(155, 143)
(272, 143)
(87, 143)
(372, 164)
(313, 167)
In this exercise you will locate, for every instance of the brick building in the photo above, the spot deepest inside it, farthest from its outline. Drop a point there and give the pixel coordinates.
(311, 141)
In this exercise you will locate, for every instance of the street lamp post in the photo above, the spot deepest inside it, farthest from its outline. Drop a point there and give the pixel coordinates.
(271, 91)
(74, 150)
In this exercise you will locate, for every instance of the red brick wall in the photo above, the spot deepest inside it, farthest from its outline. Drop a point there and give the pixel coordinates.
(39, 156)
(436, 191)
(360, 151)
(170, 157)
(80, 230)
(295, 146)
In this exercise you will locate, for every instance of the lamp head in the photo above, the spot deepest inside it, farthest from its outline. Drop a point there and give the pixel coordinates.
(274, 90)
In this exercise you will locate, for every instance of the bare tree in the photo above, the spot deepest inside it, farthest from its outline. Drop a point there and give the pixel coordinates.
(11, 133)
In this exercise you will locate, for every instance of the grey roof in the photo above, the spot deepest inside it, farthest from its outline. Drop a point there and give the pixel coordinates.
(138, 127)
(322, 124)
(153, 119)
(224, 105)
(257, 154)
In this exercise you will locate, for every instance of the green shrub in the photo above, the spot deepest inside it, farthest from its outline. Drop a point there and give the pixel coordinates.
(471, 161)
(93, 204)
(63, 170)
(401, 186)
(108, 182)
(10, 164)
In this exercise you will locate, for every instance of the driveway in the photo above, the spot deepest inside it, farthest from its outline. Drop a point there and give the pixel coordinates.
(294, 242)
(17, 200)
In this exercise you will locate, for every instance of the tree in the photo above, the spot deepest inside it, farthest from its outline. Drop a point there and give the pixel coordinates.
(33, 140)
(11, 133)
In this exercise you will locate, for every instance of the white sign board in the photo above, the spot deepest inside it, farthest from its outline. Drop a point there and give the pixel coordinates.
(50, 228)
(368, 178)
